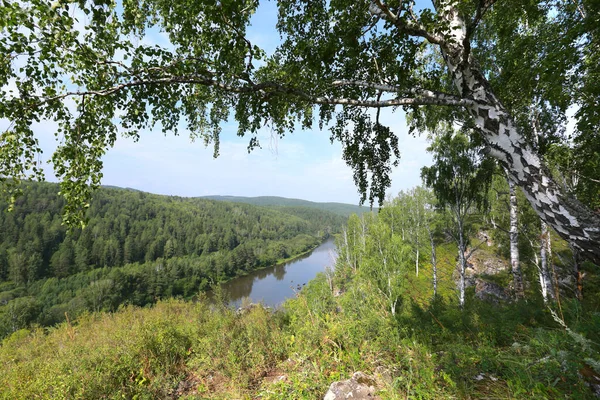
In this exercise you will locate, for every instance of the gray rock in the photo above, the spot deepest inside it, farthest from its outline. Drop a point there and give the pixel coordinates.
(489, 291)
(359, 387)
(484, 237)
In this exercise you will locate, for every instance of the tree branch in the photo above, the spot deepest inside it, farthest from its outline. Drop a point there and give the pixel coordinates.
(424, 93)
(482, 7)
(412, 28)
(420, 97)
(474, 249)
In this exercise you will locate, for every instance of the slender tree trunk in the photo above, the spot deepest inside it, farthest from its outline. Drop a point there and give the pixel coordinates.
(463, 266)
(514, 243)
(347, 250)
(545, 254)
(504, 141)
(417, 262)
(543, 285)
(433, 262)
(391, 298)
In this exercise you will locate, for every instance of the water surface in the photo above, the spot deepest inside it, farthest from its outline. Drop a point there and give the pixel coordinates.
(272, 286)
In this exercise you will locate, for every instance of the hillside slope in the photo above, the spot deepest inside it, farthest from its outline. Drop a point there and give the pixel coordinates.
(137, 248)
(337, 208)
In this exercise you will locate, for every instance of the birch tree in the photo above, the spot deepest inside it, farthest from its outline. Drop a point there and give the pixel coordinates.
(545, 246)
(434, 220)
(459, 178)
(385, 263)
(482, 63)
(515, 265)
(505, 217)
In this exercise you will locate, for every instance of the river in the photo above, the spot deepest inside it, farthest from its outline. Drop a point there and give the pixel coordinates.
(272, 286)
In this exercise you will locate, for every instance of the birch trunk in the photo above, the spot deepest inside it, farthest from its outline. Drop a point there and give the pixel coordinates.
(417, 262)
(545, 254)
(541, 277)
(570, 219)
(463, 265)
(433, 262)
(514, 243)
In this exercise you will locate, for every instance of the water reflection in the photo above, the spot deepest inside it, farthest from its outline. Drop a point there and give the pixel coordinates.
(273, 285)
(279, 272)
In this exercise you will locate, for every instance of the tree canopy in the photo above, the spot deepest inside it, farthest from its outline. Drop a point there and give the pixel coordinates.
(136, 248)
(509, 70)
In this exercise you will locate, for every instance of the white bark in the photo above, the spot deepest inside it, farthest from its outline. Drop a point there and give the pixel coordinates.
(514, 243)
(541, 277)
(392, 298)
(417, 260)
(545, 255)
(433, 261)
(462, 248)
(571, 220)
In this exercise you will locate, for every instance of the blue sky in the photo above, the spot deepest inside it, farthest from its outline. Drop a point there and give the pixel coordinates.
(304, 164)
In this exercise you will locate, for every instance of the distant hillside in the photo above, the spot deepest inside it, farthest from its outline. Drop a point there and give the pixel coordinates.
(137, 247)
(337, 208)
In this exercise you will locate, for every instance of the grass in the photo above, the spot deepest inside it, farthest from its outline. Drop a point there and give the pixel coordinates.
(428, 350)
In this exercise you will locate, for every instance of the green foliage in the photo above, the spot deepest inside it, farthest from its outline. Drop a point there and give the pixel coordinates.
(287, 205)
(428, 350)
(459, 176)
(138, 248)
(539, 58)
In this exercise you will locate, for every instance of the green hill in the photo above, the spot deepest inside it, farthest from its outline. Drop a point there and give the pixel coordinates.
(372, 313)
(137, 247)
(337, 208)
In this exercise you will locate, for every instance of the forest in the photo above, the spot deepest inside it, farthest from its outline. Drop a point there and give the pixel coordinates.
(337, 208)
(404, 303)
(481, 283)
(137, 248)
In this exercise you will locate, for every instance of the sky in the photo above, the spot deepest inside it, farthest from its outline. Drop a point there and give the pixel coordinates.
(304, 164)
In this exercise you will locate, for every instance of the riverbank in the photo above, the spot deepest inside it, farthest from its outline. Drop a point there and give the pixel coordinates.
(274, 284)
(297, 256)
(178, 349)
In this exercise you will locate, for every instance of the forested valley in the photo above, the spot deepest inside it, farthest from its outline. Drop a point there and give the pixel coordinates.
(483, 282)
(137, 248)
(424, 299)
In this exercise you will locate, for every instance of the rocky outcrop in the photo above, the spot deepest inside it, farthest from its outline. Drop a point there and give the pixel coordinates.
(483, 236)
(489, 291)
(482, 263)
(359, 387)
(486, 263)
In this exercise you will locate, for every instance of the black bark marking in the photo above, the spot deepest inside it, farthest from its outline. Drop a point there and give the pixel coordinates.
(562, 219)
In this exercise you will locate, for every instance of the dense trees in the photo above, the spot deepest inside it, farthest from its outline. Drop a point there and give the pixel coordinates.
(470, 230)
(459, 179)
(136, 248)
(509, 70)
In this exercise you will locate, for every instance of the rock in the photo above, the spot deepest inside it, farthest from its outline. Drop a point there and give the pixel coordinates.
(489, 291)
(484, 237)
(479, 264)
(493, 266)
(384, 375)
(359, 387)
(244, 309)
(482, 376)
